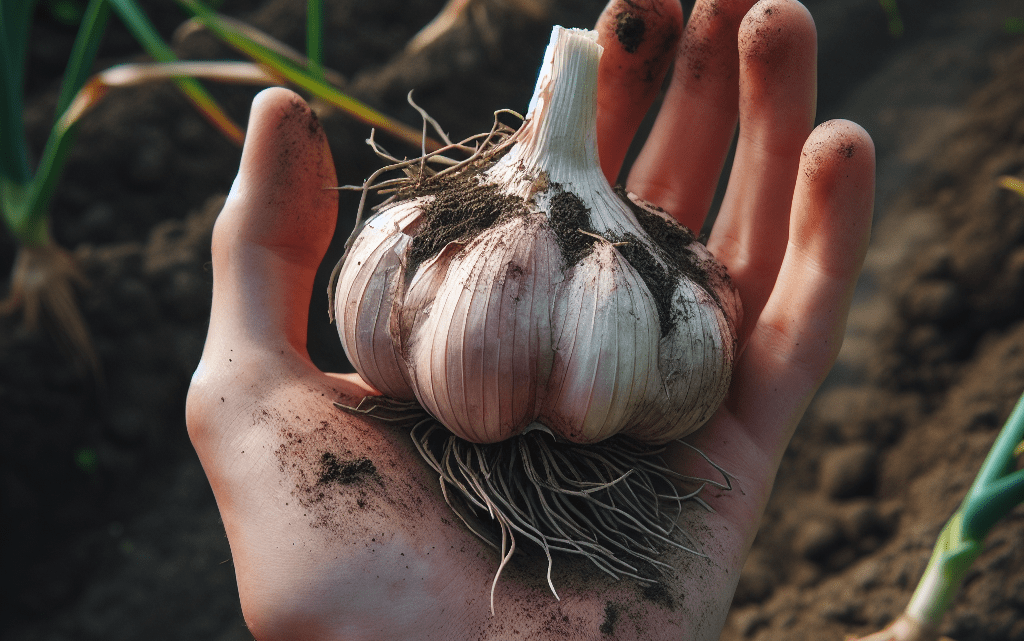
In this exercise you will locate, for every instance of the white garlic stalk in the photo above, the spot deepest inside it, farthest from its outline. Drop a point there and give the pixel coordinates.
(522, 289)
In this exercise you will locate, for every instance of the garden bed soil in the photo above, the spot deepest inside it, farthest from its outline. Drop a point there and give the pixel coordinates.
(110, 529)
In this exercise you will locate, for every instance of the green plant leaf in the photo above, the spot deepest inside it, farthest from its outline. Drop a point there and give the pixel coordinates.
(300, 76)
(140, 26)
(83, 54)
(28, 220)
(15, 18)
(996, 490)
(314, 37)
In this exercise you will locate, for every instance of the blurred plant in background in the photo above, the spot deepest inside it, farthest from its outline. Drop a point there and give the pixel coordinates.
(45, 276)
(997, 489)
(892, 14)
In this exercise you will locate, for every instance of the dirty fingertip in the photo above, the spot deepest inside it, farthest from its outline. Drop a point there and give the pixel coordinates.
(835, 195)
(282, 108)
(778, 33)
(284, 195)
(640, 40)
(635, 26)
(837, 147)
(282, 131)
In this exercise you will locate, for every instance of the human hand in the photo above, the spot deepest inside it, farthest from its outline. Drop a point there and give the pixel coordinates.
(381, 556)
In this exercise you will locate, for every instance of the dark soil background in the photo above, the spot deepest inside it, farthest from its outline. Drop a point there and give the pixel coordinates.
(109, 528)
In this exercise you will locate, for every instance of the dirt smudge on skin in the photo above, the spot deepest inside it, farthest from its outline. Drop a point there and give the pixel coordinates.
(830, 148)
(333, 478)
(640, 38)
(611, 617)
(709, 42)
(777, 47)
(657, 593)
(330, 481)
(761, 38)
(299, 142)
(630, 29)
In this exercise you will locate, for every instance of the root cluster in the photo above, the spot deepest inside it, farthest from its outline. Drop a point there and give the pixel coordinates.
(614, 503)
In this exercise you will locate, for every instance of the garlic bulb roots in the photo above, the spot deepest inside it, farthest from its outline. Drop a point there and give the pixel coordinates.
(520, 288)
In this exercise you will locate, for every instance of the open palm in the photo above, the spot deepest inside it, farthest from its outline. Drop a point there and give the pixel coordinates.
(337, 528)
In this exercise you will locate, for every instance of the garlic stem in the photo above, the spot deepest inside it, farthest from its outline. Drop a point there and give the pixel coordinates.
(563, 112)
(559, 144)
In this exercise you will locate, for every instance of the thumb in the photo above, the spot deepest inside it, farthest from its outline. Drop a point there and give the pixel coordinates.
(273, 231)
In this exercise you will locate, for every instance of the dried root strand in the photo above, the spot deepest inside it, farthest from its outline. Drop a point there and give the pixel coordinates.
(484, 147)
(479, 149)
(615, 503)
(42, 288)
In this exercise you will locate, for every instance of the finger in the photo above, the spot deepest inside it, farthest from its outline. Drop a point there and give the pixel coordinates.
(640, 38)
(682, 158)
(274, 229)
(777, 48)
(800, 330)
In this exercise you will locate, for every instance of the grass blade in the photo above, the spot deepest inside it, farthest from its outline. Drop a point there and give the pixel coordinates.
(146, 34)
(28, 220)
(301, 78)
(264, 40)
(14, 32)
(83, 54)
(314, 38)
(131, 74)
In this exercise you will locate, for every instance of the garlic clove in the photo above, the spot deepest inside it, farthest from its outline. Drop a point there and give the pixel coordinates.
(368, 342)
(413, 302)
(696, 355)
(606, 329)
(480, 353)
(695, 367)
(402, 218)
(726, 297)
(365, 296)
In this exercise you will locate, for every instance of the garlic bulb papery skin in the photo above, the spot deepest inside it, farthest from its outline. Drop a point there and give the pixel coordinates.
(525, 290)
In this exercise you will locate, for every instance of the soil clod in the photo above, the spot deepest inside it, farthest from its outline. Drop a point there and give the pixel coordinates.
(569, 218)
(461, 208)
(342, 471)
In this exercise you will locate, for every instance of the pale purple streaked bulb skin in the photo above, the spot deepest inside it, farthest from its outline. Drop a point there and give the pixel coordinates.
(509, 328)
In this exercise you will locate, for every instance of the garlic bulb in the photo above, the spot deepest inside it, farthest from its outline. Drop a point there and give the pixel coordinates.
(522, 289)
